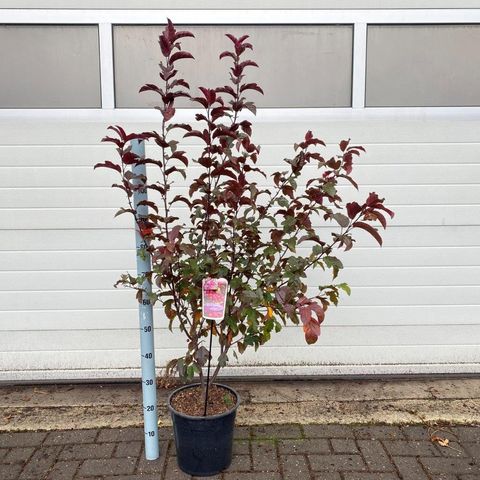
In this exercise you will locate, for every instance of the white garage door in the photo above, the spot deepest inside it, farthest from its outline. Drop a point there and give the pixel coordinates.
(415, 303)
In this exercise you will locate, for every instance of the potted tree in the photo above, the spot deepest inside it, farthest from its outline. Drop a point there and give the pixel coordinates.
(228, 226)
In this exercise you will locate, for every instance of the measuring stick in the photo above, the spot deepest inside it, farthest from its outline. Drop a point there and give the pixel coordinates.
(149, 387)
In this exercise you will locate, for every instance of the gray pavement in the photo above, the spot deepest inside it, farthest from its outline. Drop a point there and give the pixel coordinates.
(275, 452)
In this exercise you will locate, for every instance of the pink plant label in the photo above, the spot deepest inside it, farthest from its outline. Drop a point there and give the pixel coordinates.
(214, 298)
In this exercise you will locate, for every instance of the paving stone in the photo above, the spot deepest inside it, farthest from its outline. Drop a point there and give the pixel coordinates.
(121, 435)
(135, 477)
(10, 472)
(447, 476)
(375, 456)
(450, 465)
(295, 467)
(344, 445)
(146, 467)
(370, 476)
(328, 431)
(127, 449)
(64, 470)
(465, 433)
(308, 445)
(276, 431)
(328, 476)
(412, 448)
(409, 468)
(108, 466)
(336, 463)
(454, 449)
(214, 477)
(87, 450)
(473, 450)
(416, 432)
(71, 436)
(241, 433)
(173, 471)
(264, 457)
(21, 439)
(250, 476)
(379, 432)
(40, 463)
(241, 447)
(240, 463)
(164, 433)
(18, 455)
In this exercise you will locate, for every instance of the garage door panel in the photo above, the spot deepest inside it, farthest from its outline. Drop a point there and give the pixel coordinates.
(123, 239)
(127, 318)
(332, 336)
(354, 276)
(442, 358)
(32, 156)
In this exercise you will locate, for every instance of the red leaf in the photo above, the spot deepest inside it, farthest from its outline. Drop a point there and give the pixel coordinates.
(371, 230)
(165, 45)
(116, 141)
(380, 206)
(180, 55)
(209, 95)
(276, 236)
(129, 158)
(173, 234)
(247, 63)
(372, 199)
(146, 228)
(150, 87)
(353, 209)
(344, 144)
(183, 33)
(381, 219)
(168, 113)
(109, 164)
(119, 130)
(232, 38)
(251, 86)
(227, 54)
(149, 203)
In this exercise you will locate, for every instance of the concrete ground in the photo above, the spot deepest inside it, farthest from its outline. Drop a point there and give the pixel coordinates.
(414, 401)
(422, 429)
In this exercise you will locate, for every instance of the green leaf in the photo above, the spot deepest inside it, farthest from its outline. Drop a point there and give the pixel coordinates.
(342, 220)
(345, 288)
(332, 262)
(329, 189)
(289, 223)
(291, 244)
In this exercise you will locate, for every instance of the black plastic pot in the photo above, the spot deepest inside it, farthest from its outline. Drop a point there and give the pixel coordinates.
(204, 444)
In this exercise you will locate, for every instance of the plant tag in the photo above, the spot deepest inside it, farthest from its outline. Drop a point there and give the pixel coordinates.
(214, 298)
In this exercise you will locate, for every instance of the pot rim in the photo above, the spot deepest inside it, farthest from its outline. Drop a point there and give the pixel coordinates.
(200, 418)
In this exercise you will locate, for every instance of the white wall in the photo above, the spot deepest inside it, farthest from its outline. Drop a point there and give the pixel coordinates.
(415, 305)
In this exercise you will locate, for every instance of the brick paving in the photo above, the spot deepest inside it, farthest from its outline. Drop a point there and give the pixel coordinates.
(277, 452)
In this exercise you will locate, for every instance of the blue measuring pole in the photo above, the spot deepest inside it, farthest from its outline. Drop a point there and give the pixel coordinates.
(149, 384)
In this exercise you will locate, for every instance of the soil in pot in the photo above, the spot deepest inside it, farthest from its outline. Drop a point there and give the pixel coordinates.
(190, 401)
